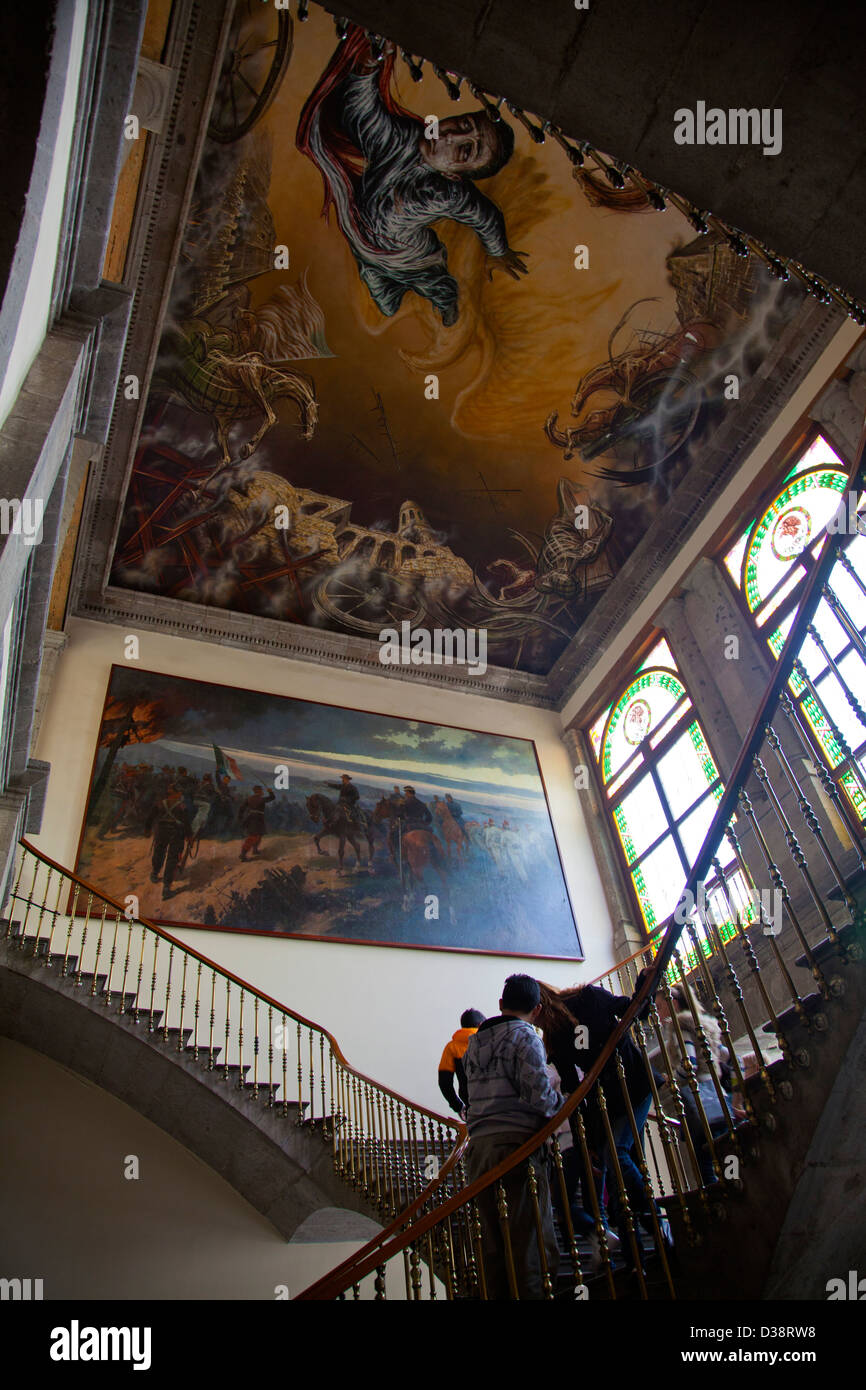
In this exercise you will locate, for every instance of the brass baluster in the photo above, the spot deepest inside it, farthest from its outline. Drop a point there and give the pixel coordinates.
(376, 1157)
(14, 895)
(312, 1082)
(28, 903)
(180, 1038)
(167, 992)
(228, 1028)
(628, 1219)
(325, 1131)
(415, 1264)
(77, 981)
(640, 1159)
(502, 1213)
(256, 1047)
(52, 914)
(211, 1063)
(799, 859)
(300, 1118)
(335, 1111)
(810, 819)
(718, 1009)
(851, 699)
(841, 804)
(98, 950)
(121, 1008)
(150, 1023)
(594, 1202)
(845, 748)
(477, 1272)
(241, 1043)
(393, 1188)
(779, 884)
(46, 959)
(362, 1136)
(794, 847)
(379, 1283)
(195, 1013)
(41, 911)
(285, 1037)
(565, 1198)
(736, 991)
(106, 993)
(136, 1009)
(668, 1142)
(751, 956)
(270, 1056)
(684, 1064)
(532, 1179)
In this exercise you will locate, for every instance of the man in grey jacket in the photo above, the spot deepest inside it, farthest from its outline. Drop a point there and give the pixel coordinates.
(510, 1097)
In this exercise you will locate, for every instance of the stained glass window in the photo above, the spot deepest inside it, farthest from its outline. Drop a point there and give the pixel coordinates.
(662, 787)
(769, 563)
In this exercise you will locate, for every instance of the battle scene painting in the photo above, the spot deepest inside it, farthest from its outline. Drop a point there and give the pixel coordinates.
(244, 811)
(418, 366)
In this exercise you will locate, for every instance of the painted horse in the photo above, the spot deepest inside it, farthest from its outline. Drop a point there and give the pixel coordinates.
(419, 850)
(337, 823)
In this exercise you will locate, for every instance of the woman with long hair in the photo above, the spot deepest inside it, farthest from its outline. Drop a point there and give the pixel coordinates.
(576, 1024)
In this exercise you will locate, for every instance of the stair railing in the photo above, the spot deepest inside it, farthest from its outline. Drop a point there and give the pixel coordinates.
(463, 1231)
(384, 1145)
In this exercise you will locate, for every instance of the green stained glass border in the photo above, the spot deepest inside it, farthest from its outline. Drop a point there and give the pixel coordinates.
(822, 477)
(666, 680)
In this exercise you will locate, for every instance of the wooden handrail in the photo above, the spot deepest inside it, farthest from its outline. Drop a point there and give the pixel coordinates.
(819, 569)
(242, 984)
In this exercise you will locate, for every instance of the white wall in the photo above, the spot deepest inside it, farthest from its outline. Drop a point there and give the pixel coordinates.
(391, 1009)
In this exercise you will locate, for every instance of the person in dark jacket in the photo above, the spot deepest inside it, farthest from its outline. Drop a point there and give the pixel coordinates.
(576, 1025)
(510, 1098)
(451, 1064)
(172, 829)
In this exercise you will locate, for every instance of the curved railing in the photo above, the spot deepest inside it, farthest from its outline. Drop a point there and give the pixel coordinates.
(449, 1228)
(383, 1144)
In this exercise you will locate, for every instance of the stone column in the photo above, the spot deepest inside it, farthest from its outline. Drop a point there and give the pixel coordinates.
(628, 936)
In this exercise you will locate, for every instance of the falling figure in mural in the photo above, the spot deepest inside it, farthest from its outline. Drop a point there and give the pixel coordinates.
(388, 181)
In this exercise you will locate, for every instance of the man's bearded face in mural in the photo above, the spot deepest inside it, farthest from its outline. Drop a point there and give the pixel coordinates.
(466, 146)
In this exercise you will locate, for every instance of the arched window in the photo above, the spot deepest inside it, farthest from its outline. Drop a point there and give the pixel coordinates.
(661, 786)
(769, 565)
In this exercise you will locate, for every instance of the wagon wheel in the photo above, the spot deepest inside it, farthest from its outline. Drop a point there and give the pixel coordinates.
(366, 600)
(258, 50)
(647, 432)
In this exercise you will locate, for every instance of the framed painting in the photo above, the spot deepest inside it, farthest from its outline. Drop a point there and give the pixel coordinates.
(242, 811)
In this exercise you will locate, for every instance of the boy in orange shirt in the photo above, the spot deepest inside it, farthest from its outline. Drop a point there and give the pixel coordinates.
(451, 1063)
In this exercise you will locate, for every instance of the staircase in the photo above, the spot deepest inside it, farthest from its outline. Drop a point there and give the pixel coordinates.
(259, 1093)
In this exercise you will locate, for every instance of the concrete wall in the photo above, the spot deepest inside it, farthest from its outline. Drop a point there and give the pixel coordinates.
(178, 1231)
(391, 1009)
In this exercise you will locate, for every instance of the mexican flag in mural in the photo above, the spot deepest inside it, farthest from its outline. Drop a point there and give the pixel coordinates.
(226, 766)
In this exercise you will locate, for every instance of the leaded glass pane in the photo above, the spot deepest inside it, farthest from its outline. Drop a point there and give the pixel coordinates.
(833, 698)
(661, 655)
(686, 770)
(661, 882)
(695, 826)
(640, 818)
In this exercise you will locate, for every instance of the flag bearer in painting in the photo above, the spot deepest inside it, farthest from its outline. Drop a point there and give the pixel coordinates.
(389, 175)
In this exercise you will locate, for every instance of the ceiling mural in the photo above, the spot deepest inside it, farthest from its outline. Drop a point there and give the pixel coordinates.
(416, 366)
